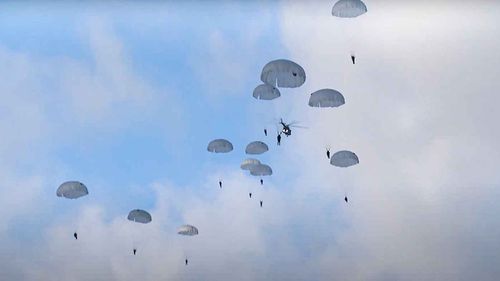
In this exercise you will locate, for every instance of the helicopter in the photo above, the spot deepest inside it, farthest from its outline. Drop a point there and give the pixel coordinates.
(286, 128)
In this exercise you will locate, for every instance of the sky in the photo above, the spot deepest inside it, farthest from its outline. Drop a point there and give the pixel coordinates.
(125, 97)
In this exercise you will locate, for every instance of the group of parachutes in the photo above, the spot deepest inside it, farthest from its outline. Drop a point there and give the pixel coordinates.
(76, 189)
(275, 74)
(284, 73)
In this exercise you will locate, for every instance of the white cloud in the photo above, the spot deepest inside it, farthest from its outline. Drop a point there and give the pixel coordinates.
(419, 114)
(227, 60)
(108, 84)
(233, 230)
(50, 101)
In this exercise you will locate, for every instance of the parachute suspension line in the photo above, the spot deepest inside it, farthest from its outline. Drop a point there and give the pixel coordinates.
(187, 249)
(350, 40)
(347, 34)
(184, 251)
(344, 37)
(344, 80)
(347, 76)
(350, 30)
(134, 236)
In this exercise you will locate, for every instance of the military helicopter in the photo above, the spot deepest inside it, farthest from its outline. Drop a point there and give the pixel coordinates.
(286, 128)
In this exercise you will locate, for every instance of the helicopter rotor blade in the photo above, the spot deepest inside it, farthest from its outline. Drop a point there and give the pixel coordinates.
(278, 121)
(297, 126)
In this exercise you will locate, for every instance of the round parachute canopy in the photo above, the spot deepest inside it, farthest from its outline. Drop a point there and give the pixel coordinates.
(261, 170)
(220, 146)
(326, 98)
(283, 74)
(344, 159)
(349, 8)
(188, 230)
(256, 147)
(249, 163)
(140, 216)
(72, 190)
(266, 92)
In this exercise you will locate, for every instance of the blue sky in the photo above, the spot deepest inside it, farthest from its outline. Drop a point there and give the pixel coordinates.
(170, 50)
(125, 98)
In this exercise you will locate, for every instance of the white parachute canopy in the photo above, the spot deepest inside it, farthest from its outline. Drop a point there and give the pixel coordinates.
(261, 170)
(249, 163)
(344, 159)
(326, 98)
(187, 230)
(266, 92)
(72, 190)
(139, 216)
(283, 74)
(256, 147)
(349, 8)
(220, 146)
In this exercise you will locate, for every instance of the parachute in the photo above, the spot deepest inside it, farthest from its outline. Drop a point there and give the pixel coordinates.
(349, 8)
(326, 98)
(266, 92)
(72, 190)
(187, 230)
(261, 170)
(344, 159)
(220, 146)
(283, 74)
(249, 163)
(256, 147)
(139, 216)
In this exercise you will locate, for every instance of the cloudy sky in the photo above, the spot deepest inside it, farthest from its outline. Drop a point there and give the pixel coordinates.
(125, 98)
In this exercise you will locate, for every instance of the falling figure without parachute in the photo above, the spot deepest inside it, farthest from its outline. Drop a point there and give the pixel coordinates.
(75, 235)
(220, 184)
(261, 203)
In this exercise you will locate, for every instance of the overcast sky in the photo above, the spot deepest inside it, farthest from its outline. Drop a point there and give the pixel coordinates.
(125, 98)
